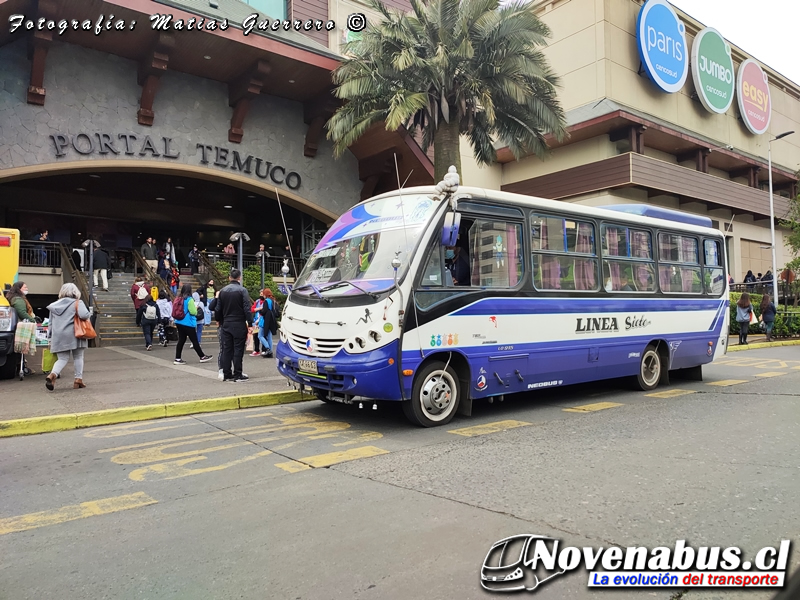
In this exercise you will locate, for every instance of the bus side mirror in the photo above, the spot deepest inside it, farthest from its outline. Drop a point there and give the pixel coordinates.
(452, 221)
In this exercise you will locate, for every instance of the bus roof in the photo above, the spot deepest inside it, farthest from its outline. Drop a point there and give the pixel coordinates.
(642, 214)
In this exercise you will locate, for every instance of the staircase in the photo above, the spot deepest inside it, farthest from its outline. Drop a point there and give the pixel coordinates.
(116, 317)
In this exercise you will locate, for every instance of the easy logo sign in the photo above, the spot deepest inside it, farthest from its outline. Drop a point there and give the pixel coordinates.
(755, 103)
(661, 38)
(712, 70)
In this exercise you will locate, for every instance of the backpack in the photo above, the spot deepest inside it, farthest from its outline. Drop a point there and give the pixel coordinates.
(200, 316)
(150, 312)
(178, 312)
(142, 293)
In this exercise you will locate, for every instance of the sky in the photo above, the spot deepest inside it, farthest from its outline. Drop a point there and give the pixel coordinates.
(766, 29)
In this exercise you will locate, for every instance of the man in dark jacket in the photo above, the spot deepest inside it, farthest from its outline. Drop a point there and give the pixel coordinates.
(232, 312)
(150, 253)
(100, 264)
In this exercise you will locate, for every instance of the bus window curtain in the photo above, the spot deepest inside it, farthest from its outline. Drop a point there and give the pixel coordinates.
(612, 235)
(584, 267)
(512, 257)
(551, 268)
(640, 248)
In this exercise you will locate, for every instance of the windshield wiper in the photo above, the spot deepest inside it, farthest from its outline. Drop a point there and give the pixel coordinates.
(372, 295)
(316, 290)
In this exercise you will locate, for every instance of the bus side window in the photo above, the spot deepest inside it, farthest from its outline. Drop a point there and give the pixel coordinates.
(495, 253)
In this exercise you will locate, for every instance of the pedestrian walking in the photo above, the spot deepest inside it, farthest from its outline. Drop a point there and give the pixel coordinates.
(257, 319)
(201, 314)
(139, 291)
(744, 310)
(169, 252)
(194, 260)
(16, 298)
(101, 264)
(61, 333)
(768, 313)
(165, 316)
(150, 253)
(147, 317)
(268, 322)
(212, 307)
(233, 314)
(184, 312)
(174, 280)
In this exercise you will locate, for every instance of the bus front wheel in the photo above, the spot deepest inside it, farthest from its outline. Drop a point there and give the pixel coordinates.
(435, 396)
(649, 369)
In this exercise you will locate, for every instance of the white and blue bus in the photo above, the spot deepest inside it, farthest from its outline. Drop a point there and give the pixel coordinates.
(437, 298)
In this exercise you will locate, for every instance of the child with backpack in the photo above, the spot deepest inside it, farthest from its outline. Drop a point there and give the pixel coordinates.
(165, 308)
(148, 317)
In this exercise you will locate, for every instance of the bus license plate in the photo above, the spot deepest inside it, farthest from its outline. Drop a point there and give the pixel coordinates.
(308, 365)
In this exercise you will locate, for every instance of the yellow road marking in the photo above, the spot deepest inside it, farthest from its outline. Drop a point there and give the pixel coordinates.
(293, 466)
(771, 374)
(333, 458)
(74, 512)
(727, 382)
(175, 469)
(488, 428)
(671, 393)
(593, 407)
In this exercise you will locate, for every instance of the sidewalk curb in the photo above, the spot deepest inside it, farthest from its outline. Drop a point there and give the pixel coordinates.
(756, 346)
(50, 423)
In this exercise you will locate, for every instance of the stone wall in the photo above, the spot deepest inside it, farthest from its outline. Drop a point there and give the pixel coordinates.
(89, 92)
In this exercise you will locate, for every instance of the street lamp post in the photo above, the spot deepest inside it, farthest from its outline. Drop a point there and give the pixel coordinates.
(241, 238)
(261, 255)
(772, 218)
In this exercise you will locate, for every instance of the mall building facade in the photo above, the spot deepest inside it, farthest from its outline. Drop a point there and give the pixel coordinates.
(641, 132)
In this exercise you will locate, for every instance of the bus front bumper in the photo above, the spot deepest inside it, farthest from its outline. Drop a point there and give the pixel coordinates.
(373, 376)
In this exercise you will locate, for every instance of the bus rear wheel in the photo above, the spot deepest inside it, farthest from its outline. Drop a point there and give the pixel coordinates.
(649, 369)
(434, 397)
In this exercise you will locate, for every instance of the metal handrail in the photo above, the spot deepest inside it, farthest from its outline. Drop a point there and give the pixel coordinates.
(151, 275)
(71, 274)
(220, 280)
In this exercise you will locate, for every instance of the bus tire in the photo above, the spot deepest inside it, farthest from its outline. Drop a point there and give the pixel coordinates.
(650, 369)
(434, 397)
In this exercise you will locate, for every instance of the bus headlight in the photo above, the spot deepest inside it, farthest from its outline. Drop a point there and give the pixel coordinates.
(5, 319)
(375, 336)
(360, 342)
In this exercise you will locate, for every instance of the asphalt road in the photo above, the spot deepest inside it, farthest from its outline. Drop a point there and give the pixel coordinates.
(312, 501)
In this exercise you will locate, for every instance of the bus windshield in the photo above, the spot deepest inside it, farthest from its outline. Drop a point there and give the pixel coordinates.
(361, 245)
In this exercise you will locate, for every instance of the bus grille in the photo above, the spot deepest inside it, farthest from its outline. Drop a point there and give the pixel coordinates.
(322, 347)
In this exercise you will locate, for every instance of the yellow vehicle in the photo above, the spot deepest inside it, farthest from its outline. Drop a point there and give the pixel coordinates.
(9, 272)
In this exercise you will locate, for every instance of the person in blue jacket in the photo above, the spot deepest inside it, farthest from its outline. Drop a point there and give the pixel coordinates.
(187, 326)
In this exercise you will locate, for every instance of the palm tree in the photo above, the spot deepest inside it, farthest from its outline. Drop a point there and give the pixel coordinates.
(451, 68)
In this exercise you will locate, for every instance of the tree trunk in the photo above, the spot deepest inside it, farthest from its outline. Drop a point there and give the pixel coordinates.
(446, 151)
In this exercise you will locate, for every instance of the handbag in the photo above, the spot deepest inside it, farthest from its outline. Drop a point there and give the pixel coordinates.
(83, 329)
(752, 317)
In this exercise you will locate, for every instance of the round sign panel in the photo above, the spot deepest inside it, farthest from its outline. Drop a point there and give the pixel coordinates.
(712, 70)
(755, 103)
(661, 38)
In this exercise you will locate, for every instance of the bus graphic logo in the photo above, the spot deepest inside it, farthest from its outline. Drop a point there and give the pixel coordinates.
(310, 343)
(481, 382)
(514, 564)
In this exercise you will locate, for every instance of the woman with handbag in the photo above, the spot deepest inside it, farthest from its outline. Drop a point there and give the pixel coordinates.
(767, 317)
(69, 332)
(744, 315)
